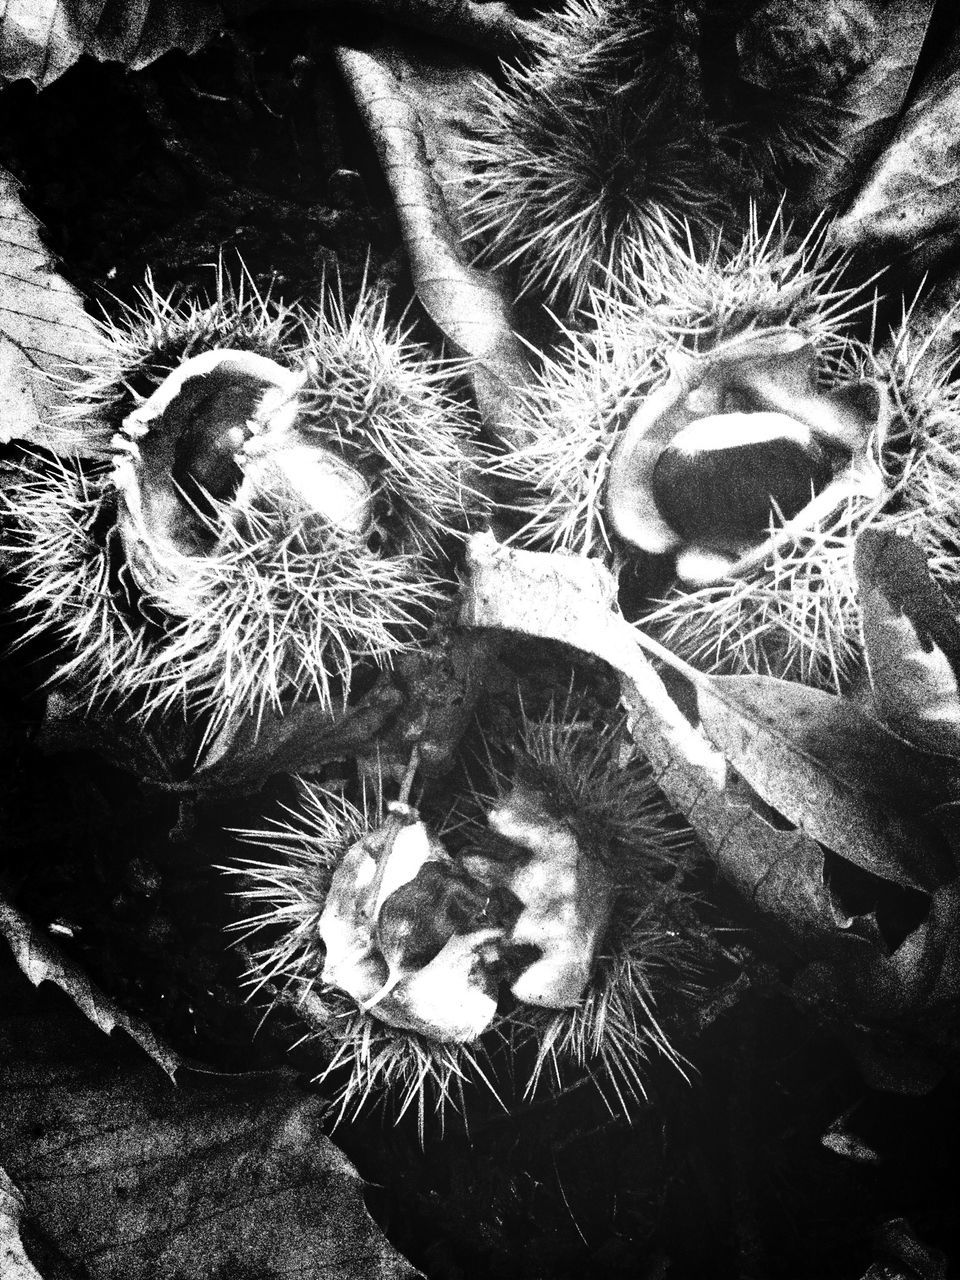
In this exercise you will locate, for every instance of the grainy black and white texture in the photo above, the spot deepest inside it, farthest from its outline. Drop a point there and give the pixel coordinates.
(495, 244)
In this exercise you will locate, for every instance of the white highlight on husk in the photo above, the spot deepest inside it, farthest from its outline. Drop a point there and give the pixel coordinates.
(612, 1032)
(795, 613)
(663, 308)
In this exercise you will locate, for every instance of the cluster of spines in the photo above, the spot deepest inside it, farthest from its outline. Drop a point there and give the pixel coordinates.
(276, 610)
(585, 147)
(390, 409)
(581, 769)
(628, 120)
(62, 544)
(698, 295)
(149, 337)
(280, 616)
(920, 365)
(618, 1027)
(587, 774)
(794, 617)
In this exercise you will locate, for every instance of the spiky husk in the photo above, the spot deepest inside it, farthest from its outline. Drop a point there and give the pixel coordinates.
(923, 370)
(275, 609)
(618, 1029)
(797, 616)
(701, 296)
(586, 772)
(61, 542)
(679, 298)
(368, 1061)
(610, 801)
(148, 338)
(628, 119)
(590, 147)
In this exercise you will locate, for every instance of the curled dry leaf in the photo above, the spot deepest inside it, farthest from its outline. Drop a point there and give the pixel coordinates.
(908, 200)
(130, 1177)
(870, 104)
(407, 108)
(781, 872)
(911, 637)
(241, 757)
(779, 737)
(13, 1258)
(426, 701)
(482, 24)
(42, 961)
(44, 331)
(437, 686)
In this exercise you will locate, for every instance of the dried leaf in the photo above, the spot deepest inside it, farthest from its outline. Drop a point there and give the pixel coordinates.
(43, 331)
(131, 1177)
(912, 640)
(467, 305)
(779, 736)
(14, 1262)
(70, 726)
(40, 39)
(42, 961)
(908, 201)
(871, 102)
(441, 681)
(786, 41)
(426, 701)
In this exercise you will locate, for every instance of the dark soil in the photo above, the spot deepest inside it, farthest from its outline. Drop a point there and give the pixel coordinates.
(252, 150)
